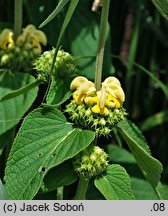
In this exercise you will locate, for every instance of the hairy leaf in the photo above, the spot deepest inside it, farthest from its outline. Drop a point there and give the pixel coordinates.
(150, 167)
(3, 195)
(115, 184)
(162, 6)
(44, 140)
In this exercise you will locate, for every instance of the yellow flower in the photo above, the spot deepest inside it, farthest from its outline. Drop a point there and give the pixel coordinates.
(34, 37)
(6, 38)
(83, 88)
(98, 102)
(36, 45)
(77, 82)
(114, 91)
(100, 107)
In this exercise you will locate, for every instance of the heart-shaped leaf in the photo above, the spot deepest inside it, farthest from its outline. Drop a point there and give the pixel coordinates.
(44, 140)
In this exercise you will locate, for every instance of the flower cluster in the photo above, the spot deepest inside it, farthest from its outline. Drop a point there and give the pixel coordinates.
(18, 54)
(97, 110)
(64, 65)
(90, 162)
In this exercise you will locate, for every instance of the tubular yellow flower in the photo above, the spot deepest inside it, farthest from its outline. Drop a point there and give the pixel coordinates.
(90, 101)
(77, 82)
(85, 89)
(111, 80)
(34, 37)
(114, 91)
(100, 107)
(102, 111)
(6, 38)
(40, 37)
(117, 94)
(36, 45)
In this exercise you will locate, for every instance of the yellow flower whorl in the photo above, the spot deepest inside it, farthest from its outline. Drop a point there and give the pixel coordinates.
(111, 94)
(96, 110)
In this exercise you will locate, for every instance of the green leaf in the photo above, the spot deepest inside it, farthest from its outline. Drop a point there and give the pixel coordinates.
(58, 92)
(162, 191)
(67, 19)
(58, 8)
(142, 189)
(154, 120)
(58, 176)
(150, 167)
(119, 155)
(115, 184)
(20, 91)
(3, 195)
(13, 109)
(162, 6)
(44, 140)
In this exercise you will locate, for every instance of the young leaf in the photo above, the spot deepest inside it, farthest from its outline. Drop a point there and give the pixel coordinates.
(59, 7)
(2, 191)
(13, 109)
(150, 167)
(162, 6)
(58, 176)
(58, 92)
(115, 184)
(44, 140)
(20, 91)
(67, 19)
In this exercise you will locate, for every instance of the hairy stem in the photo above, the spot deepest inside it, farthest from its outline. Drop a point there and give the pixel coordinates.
(101, 43)
(18, 18)
(81, 189)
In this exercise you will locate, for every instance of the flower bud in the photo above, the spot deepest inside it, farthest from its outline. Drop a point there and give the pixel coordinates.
(5, 59)
(63, 66)
(90, 162)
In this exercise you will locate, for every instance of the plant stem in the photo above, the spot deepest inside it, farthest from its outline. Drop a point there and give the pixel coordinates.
(81, 189)
(18, 18)
(60, 193)
(101, 43)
